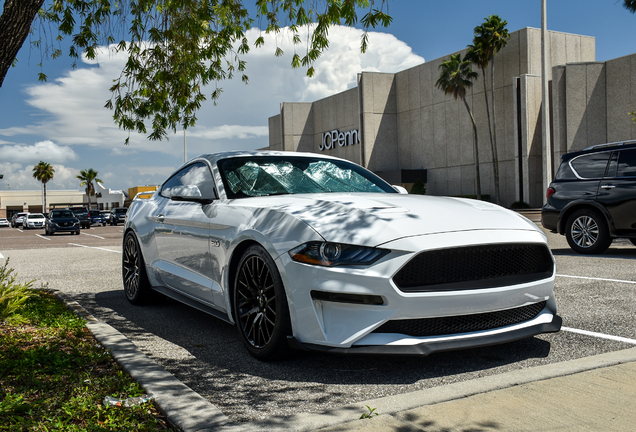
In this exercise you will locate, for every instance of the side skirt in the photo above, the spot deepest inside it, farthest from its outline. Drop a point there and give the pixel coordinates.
(192, 303)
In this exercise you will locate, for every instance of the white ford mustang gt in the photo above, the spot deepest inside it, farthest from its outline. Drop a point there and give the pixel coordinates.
(302, 251)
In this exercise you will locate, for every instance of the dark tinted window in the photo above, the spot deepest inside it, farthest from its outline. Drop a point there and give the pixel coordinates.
(592, 165)
(61, 214)
(565, 172)
(627, 163)
(613, 166)
(193, 181)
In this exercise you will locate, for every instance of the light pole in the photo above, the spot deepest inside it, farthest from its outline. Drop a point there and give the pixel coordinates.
(545, 102)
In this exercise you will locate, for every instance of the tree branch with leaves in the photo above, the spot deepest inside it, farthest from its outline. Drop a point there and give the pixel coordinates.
(177, 47)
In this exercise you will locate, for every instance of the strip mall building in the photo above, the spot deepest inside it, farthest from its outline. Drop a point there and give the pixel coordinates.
(403, 127)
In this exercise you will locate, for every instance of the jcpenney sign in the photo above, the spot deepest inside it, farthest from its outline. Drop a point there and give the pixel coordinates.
(330, 139)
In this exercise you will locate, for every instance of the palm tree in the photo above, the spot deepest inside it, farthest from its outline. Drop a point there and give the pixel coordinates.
(630, 5)
(43, 172)
(490, 37)
(455, 78)
(87, 178)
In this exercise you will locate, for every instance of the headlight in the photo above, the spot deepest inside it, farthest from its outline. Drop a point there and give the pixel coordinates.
(333, 254)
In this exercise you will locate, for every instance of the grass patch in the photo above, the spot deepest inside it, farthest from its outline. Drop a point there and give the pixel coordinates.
(54, 375)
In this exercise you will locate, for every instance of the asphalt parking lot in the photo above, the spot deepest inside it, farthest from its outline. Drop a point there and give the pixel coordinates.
(596, 297)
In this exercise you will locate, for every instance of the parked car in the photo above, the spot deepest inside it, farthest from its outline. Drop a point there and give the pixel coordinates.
(4, 222)
(81, 213)
(96, 217)
(16, 220)
(33, 220)
(118, 215)
(592, 199)
(61, 221)
(313, 252)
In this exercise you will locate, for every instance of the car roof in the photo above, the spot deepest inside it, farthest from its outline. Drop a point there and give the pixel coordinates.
(215, 157)
(600, 148)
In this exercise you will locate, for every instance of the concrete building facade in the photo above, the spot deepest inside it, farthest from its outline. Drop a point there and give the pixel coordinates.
(402, 126)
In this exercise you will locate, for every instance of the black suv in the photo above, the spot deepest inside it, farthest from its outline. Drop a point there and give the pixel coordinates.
(592, 199)
(118, 215)
(81, 213)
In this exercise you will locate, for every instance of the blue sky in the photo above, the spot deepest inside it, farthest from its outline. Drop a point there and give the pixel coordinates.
(63, 121)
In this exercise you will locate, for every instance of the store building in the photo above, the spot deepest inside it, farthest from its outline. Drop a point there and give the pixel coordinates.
(403, 127)
(15, 201)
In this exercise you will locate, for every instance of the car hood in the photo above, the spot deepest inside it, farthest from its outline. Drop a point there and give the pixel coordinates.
(374, 219)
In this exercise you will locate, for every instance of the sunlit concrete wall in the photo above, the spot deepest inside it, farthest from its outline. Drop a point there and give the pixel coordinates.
(591, 102)
(406, 122)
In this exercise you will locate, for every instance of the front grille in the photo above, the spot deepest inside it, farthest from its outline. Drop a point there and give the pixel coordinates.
(462, 323)
(474, 267)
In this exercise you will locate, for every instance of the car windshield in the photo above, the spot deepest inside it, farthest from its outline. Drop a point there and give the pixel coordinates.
(118, 211)
(278, 175)
(35, 216)
(62, 214)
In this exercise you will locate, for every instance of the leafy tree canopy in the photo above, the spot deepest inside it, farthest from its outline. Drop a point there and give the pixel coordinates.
(174, 47)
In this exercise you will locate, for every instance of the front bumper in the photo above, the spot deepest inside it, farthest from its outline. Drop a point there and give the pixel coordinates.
(451, 343)
(59, 229)
(319, 322)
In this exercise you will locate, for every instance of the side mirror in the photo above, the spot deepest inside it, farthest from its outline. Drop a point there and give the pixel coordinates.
(400, 189)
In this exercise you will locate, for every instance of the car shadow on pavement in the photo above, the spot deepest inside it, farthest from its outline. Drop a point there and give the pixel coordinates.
(207, 355)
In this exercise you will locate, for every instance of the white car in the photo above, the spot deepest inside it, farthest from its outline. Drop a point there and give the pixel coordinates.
(302, 251)
(4, 222)
(33, 220)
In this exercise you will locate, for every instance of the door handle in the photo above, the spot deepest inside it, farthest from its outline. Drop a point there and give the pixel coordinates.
(608, 186)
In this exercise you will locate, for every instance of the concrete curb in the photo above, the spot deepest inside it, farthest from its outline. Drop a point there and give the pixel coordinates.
(185, 409)
(189, 411)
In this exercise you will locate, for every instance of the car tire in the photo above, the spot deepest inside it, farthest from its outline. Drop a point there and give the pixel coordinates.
(260, 306)
(136, 285)
(587, 232)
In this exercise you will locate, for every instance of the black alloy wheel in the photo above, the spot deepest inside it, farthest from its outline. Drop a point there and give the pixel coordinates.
(587, 232)
(260, 306)
(136, 285)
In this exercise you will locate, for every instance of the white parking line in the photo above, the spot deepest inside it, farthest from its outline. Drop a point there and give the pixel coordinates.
(600, 335)
(1, 256)
(93, 235)
(599, 279)
(92, 247)
(41, 236)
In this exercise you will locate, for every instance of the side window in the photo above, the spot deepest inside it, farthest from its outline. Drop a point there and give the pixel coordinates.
(591, 166)
(194, 181)
(613, 166)
(565, 172)
(627, 163)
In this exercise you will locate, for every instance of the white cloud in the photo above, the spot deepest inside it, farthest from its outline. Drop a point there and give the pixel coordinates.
(20, 177)
(70, 109)
(46, 151)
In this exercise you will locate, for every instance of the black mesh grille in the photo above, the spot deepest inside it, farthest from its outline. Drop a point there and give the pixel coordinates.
(475, 267)
(461, 323)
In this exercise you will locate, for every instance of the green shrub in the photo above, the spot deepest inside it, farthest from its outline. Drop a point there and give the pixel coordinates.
(13, 295)
(419, 188)
(519, 205)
